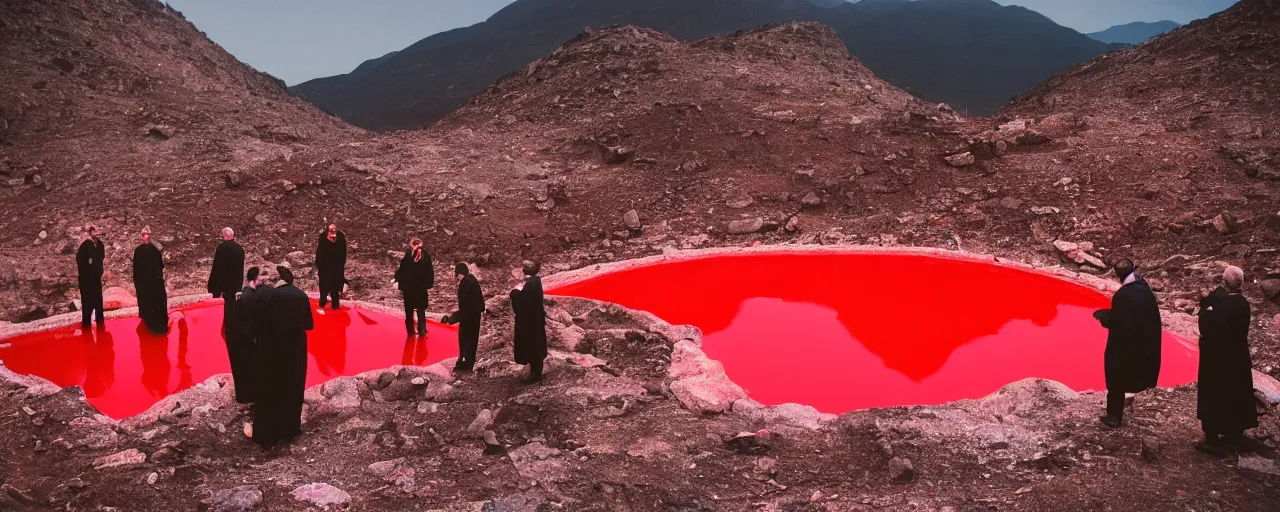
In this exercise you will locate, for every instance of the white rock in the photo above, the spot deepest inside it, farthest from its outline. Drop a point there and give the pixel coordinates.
(321, 495)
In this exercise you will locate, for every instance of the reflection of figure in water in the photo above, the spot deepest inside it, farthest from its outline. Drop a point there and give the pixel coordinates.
(331, 353)
(1132, 359)
(415, 352)
(282, 363)
(154, 351)
(100, 353)
(331, 263)
(531, 322)
(89, 261)
(184, 369)
(415, 277)
(1224, 397)
(470, 309)
(249, 332)
(148, 281)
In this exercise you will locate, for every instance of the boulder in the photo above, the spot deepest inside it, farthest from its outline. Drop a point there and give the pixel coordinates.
(1270, 288)
(568, 338)
(632, 220)
(297, 259)
(130, 457)
(746, 226)
(796, 416)
(236, 499)
(115, 297)
(748, 443)
(1266, 387)
(811, 200)
(793, 224)
(740, 202)
(901, 469)
(1078, 252)
(962, 159)
(1225, 223)
(321, 495)
(707, 393)
(539, 462)
(483, 421)
(233, 179)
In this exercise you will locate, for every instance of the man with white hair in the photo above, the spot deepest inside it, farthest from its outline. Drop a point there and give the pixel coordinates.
(1224, 395)
(148, 282)
(1132, 359)
(224, 282)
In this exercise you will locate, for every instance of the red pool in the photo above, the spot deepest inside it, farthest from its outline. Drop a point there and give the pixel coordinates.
(124, 370)
(842, 332)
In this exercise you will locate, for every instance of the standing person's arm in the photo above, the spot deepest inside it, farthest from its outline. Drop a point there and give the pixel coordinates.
(430, 269)
(342, 250)
(82, 258)
(310, 322)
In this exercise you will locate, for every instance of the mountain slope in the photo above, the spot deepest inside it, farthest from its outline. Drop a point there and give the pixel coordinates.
(122, 113)
(1134, 33)
(973, 54)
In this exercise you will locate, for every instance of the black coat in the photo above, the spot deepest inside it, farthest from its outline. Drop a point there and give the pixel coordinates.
(531, 322)
(1224, 397)
(148, 281)
(89, 264)
(331, 260)
(415, 276)
(280, 365)
(249, 310)
(228, 269)
(1132, 360)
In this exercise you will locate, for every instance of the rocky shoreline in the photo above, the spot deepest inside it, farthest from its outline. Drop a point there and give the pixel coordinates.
(633, 416)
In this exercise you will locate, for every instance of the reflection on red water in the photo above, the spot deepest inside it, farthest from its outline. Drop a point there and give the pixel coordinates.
(852, 331)
(125, 368)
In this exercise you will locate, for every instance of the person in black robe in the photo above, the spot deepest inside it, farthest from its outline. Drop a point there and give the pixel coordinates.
(282, 363)
(415, 277)
(1132, 358)
(248, 320)
(224, 278)
(531, 322)
(89, 264)
(1224, 396)
(148, 281)
(470, 310)
(331, 264)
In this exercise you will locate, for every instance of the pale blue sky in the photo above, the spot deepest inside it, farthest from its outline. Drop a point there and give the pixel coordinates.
(297, 40)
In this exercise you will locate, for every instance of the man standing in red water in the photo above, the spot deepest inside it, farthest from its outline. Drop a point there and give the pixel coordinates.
(1132, 359)
(531, 322)
(224, 282)
(281, 366)
(148, 282)
(89, 261)
(470, 310)
(331, 263)
(415, 277)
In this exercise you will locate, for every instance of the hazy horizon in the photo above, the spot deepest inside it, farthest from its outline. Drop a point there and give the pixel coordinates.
(301, 40)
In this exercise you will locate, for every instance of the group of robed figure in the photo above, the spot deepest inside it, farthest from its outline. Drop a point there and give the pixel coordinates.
(265, 326)
(1225, 401)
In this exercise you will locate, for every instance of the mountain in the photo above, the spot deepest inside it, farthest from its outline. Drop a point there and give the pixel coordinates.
(122, 113)
(972, 54)
(1134, 33)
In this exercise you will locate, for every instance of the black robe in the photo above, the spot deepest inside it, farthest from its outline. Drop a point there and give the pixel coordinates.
(281, 365)
(89, 272)
(331, 261)
(1132, 360)
(1224, 398)
(414, 278)
(470, 310)
(249, 320)
(531, 322)
(148, 281)
(228, 269)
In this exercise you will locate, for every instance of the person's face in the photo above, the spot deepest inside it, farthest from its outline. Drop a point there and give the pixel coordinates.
(333, 230)
(93, 233)
(146, 238)
(263, 278)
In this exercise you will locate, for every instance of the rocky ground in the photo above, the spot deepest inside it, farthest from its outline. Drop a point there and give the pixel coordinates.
(632, 416)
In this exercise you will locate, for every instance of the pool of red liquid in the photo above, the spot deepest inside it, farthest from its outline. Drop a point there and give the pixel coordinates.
(124, 369)
(842, 332)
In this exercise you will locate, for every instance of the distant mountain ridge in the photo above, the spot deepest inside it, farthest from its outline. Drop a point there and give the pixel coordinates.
(1137, 32)
(973, 54)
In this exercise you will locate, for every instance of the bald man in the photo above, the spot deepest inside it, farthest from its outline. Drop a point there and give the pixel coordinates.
(224, 279)
(1224, 395)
